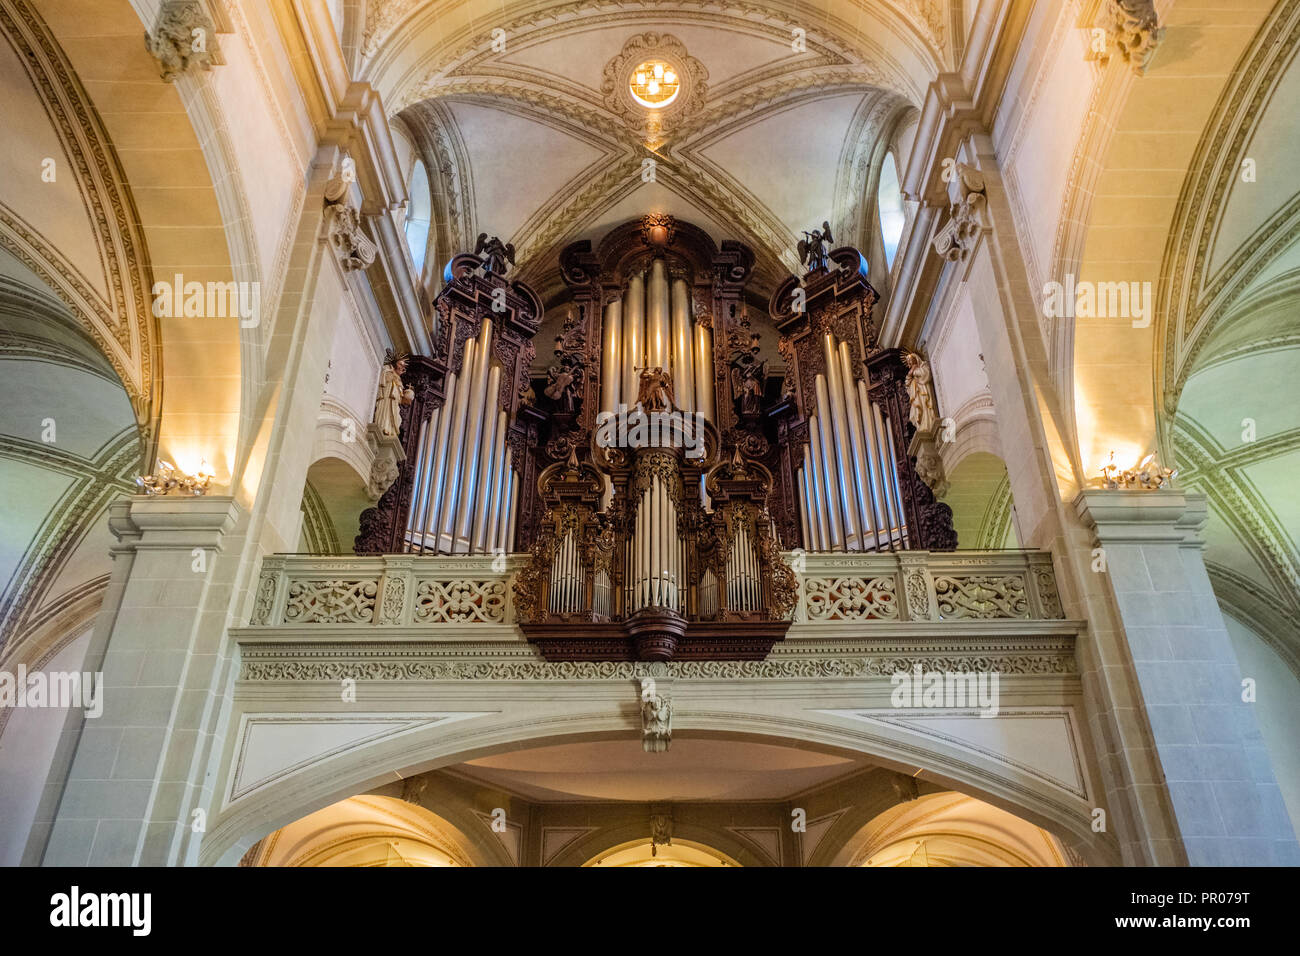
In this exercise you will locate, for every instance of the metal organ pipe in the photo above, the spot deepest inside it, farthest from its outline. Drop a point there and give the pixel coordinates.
(818, 486)
(879, 464)
(848, 485)
(844, 465)
(858, 481)
(415, 521)
(483, 436)
(508, 542)
(683, 361)
(656, 333)
(489, 462)
(894, 489)
(612, 372)
(459, 415)
(879, 505)
(633, 336)
(704, 371)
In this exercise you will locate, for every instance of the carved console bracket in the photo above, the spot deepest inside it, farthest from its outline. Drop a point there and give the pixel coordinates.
(966, 215)
(656, 717)
(385, 466)
(183, 39)
(1131, 27)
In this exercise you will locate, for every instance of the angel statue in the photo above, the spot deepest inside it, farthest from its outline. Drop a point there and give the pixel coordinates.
(392, 396)
(495, 253)
(655, 390)
(813, 251)
(748, 377)
(922, 412)
(564, 378)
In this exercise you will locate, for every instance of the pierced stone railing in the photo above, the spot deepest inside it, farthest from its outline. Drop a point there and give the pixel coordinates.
(385, 590)
(404, 590)
(925, 586)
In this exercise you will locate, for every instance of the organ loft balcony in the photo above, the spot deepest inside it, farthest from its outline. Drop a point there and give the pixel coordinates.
(715, 464)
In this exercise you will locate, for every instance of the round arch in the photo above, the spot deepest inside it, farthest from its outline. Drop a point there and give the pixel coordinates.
(373, 764)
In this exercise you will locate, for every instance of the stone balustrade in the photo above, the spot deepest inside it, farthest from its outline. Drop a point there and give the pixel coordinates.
(925, 586)
(403, 590)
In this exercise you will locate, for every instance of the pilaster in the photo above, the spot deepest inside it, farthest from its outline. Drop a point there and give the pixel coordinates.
(1220, 780)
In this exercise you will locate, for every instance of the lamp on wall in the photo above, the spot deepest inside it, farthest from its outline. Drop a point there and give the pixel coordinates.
(169, 480)
(1148, 475)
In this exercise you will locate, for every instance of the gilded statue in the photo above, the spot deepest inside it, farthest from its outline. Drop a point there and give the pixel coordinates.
(655, 390)
(922, 412)
(392, 395)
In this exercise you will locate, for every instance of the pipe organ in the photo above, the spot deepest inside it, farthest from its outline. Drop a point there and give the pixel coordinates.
(465, 495)
(658, 466)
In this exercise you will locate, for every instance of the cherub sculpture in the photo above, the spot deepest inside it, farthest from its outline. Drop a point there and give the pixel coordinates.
(813, 251)
(495, 253)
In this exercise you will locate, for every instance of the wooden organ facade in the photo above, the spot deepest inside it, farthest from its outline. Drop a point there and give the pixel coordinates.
(659, 472)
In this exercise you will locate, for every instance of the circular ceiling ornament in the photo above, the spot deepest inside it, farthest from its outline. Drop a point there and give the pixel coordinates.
(652, 82)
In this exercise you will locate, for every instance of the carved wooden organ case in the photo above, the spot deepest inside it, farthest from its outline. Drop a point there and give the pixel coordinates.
(842, 427)
(656, 474)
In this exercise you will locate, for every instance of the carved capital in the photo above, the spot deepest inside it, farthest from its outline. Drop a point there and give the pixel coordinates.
(183, 39)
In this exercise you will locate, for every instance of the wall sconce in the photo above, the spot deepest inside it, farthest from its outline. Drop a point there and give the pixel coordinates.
(1147, 476)
(170, 480)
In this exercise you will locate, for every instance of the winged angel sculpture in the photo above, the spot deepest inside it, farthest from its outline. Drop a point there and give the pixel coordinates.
(495, 253)
(813, 249)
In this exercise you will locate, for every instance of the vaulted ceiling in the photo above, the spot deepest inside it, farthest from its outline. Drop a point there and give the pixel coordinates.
(529, 138)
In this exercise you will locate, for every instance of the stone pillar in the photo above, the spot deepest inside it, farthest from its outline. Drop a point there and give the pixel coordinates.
(1226, 800)
(129, 789)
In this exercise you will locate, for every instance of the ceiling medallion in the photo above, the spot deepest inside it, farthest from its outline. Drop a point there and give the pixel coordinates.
(653, 83)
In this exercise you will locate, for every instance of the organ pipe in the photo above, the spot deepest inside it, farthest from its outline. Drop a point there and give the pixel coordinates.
(848, 486)
(464, 496)
(683, 361)
(477, 464)
(848, 507)
(460, 415)
(858, 445)
(633, 335)
(657, 335)
(611, 378)
(704, 371)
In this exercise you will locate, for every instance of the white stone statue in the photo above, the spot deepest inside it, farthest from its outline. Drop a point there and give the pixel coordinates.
(392, 396)
(923, 413)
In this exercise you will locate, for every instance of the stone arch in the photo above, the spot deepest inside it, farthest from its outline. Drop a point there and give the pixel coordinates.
(431, 745)
(135, 125)
(1100, 242)
(985, 833)
(614, 839)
